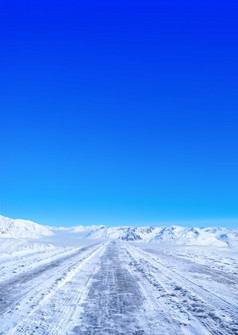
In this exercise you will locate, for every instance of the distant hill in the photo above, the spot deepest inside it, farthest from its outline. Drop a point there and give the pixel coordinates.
(172, 234)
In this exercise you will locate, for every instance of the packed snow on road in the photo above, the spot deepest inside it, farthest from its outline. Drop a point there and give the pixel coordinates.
(117, 280)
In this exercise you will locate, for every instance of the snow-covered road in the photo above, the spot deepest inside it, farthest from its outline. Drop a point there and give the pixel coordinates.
(117, 288)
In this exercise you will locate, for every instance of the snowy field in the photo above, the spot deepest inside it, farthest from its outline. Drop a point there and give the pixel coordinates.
(62, 282)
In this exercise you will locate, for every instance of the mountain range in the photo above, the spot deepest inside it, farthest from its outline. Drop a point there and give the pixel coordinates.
(215, 236)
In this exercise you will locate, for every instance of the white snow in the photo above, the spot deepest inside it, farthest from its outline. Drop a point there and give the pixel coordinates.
(22, 228)
(173, 234)
(117, 280)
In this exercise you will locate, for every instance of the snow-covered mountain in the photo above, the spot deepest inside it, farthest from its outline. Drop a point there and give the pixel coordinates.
(175, 234)
(172, 234)
(22, 228)
(108, 233)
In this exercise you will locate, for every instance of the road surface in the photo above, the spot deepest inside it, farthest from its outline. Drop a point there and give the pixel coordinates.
(115, 288)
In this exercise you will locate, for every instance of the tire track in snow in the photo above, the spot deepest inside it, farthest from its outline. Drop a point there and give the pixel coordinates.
(112, 299)
(53, 314)
(217, 315)
(23, 263)
(111, 289)
(115, 302)
(20, 295)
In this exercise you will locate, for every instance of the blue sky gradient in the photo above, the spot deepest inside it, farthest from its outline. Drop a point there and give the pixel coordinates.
(118, 114)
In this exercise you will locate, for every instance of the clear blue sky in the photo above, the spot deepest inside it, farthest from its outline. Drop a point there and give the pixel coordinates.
(119, 112)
